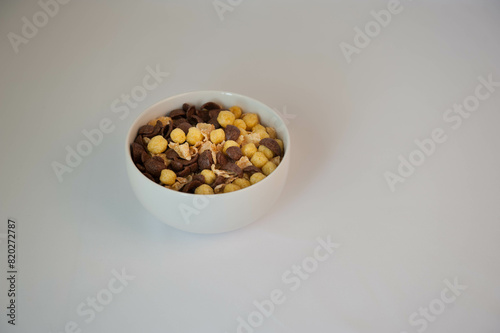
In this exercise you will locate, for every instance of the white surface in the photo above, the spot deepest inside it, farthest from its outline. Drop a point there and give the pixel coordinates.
(352, 121)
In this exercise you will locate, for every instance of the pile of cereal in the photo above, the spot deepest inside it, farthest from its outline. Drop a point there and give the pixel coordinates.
(207, 150)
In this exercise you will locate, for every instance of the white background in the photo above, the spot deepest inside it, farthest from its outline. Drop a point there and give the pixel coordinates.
(349, 123)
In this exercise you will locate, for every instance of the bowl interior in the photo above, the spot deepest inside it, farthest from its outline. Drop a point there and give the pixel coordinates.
(268, 117)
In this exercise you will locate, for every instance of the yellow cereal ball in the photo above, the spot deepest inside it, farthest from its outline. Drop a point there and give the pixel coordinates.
(259, 159)
(281, 144)
(236, 110)
(272, 132)
(240, 124)
(258, 127)
(167, 177)
(229, 143)
(225, 118)
(209, 176)
(248, 150)
(241, 182)
(262, 133)
(231, 188)
(251, 119)
(178, 135)
(217, 136)
(256, 177)
(157, 145)
(268, 168)
(204, 189)
(266, 151)
(194, 136)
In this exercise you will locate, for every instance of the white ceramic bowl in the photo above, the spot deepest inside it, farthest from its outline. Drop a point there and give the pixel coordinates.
(209, 213)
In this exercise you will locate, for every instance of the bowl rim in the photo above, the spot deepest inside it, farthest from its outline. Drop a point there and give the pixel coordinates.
(283, 125)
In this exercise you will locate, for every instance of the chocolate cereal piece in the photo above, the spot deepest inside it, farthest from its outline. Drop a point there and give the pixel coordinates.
(137, 151)
(186, 106)
(232, 132)
(200, 178)
(185, 127)
(214, 122)
(144, 157)
(195, 120)
(171, 154)
(211, 106)
(190, 111)
(149, 176)
(218, 181)
(191, 186)
(205, 160)
(179, 121)
(251, 169)
(184, 172)
(232, 167)
(214, 113)
(140, 167)
(146, 129)
(176, 165)
(221, 159)
(168, 129)
(154, 167)
(203, 114)
(174, 114)
(272, 145)
(234, 153)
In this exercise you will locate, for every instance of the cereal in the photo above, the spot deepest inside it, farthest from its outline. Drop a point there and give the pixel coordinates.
(272, 132)
(249, 149)
(209, 176)
(234, 153)
(205, 160)
(194, 136)
(258, 128)
(204, 189)
(167, 177)
(243, 162)
(241, 182)
(207, 149)
(229, 143)
(225, 118)
(266, 151)
(232, 132)
(250, 119)
(240, 123)
(217, 136)
(268, 168)
(236, 110)
(231, 188)
(256, 177)
(280, 143)
(178, 135)
(262, 134)
(259, 159)
(157, 145)
(272, 145)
